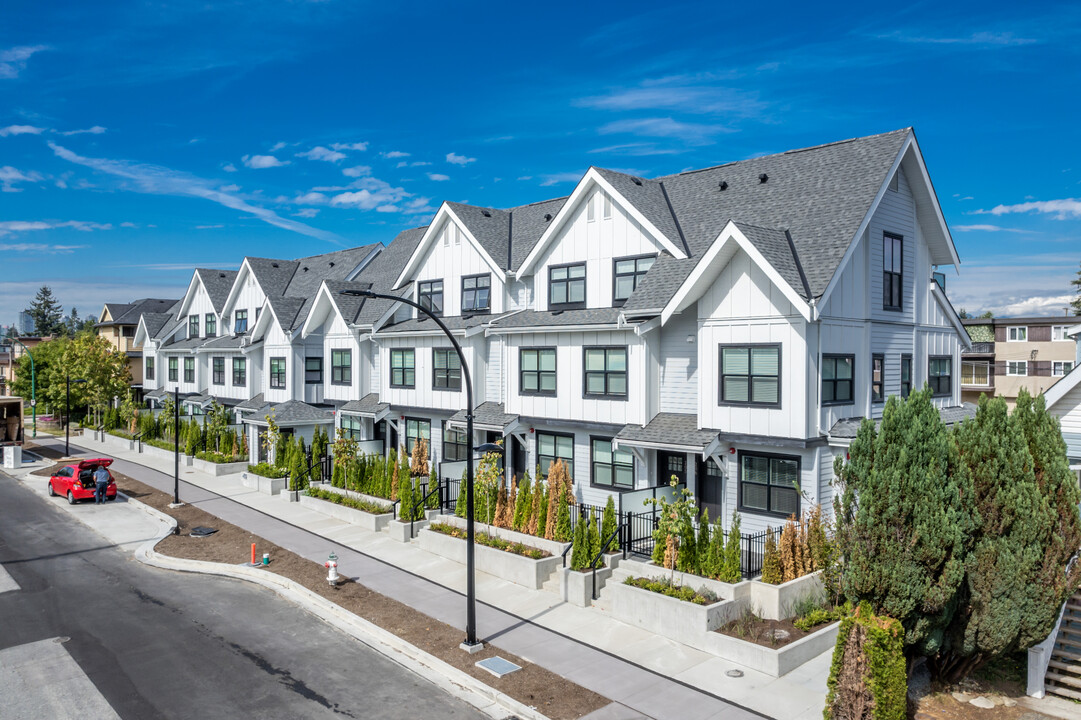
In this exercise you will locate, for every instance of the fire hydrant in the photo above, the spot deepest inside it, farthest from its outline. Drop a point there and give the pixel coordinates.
(332, 570)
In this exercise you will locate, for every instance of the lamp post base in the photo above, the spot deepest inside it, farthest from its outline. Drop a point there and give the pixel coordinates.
(174, 506)
(472, 649)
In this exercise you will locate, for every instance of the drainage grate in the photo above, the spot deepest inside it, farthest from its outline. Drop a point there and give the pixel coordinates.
(498, 666)
(202, 531)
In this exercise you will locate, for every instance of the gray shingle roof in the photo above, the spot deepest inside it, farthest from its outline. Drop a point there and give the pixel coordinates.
(367, 405)
(226, 342)
(289, 311)
(545, 318)
(528, 223)
(337, 265)
(669, 429)
(489, 226)
(217, 283)
(454, 322)
(252, 404)
(155, 323)
(185, 344)
(272, 275)
(294, 412)
(360, 310)
(488, 414)
(648, 196)
(384, 270)
(128, 314)
(849, 427)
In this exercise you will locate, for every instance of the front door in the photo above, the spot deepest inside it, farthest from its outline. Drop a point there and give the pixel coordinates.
(517, 455)
(497, 438)
(711, 488)
(669, 465)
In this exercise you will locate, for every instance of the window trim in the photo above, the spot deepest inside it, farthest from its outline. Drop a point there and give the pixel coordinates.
(542, 471)
(482, 311)
(430, 294)
(901, 275)
(585, 286)
(405, 432)
(189, 361)
(345, 379)
(627, 373)
(769, 486)
(1065, 337)
(1010, 330)
(620, 302)
(538, 392)
(447, 428)
(272, 382)
(237, 330)
(391, 368)
(148, 368)
(592, 473)
(243, 362)
(451, 353)
(930, 377)
(210, 325)
(881, 397)
(193, 322)
(905, 357)
(351, 432)
(1017, 362)
(822, 380)
(214, 370)
(307, 359)
(749, 403)
(1062, 364)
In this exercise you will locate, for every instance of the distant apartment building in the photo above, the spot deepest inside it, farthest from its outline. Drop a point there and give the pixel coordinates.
(25, 325)
(1012, 353)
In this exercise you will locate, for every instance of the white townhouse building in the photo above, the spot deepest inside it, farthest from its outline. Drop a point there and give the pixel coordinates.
(729, 326)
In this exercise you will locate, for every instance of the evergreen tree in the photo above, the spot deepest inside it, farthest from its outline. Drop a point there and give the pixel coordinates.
(608, 524)
(771, 560)
(524, 504)
(730, 569)
(715, 552)
(687, 559)
(703, 544)
(47, 313)
(434, 493)
(593, 539)
(1076, 302)
(542, 510)
(406, 500)
(562, 530)
(460, 505)
(578, 546)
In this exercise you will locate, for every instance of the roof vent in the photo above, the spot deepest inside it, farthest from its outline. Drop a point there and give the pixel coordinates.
(636, 181)
(547, 217)
(723, 185)
(221, 274)
(273, 264)
(557, 312)
(305, 268)
(332, 264)
(485, 213)
(763, 178)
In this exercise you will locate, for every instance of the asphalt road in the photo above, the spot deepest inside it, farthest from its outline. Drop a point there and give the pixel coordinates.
(159, 644)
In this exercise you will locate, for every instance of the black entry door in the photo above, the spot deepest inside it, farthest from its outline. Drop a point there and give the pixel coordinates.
(495, 438)
(669, 464)
(518, 456)
(710, 488)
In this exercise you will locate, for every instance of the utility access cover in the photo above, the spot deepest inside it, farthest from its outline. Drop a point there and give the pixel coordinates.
(498, 666)
(202, 531)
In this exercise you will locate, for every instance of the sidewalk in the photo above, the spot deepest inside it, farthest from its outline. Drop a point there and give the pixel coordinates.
(640, 670)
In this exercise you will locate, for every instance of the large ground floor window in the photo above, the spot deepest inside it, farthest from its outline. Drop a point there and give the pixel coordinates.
(610, 468)
(352, 427)
(455, 444)
(416, 429)
(768, 484)
(553, 446)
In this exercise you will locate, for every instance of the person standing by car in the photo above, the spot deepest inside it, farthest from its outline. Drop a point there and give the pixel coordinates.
(101, 481)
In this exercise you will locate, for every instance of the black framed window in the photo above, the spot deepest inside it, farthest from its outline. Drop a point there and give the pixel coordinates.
(193, 326)
(477, 293)
(610, 468)
(605, 371)
(553, 446)
(189, 369)
(313, 371)
(277, 372)
(402, 368)
(892, 270)
(240, 322)
(627, 273)
(174, 374)
(567, 286)
(750, 375)
(446, 369)
(149, 372)
(455, 444)
(240, 372)
(906, 375)
(838, 372)
(878, 378)
(352, 427)
(341, 367)
(430, 295)
(128, 331)
(210, 325)
(768, 484)
(217, 373)
(537, 371)
(940, 375)
(416, 429)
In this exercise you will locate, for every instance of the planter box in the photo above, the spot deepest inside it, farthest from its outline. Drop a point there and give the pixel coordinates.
(678, 620)
(290, 495)
(775, 602)
(265, 485)
(577, 587)
(156, 452)
(549, 546)
(773, 661)
(366, 520)
(732, 591)
(400, 530)
(353, 494)
(517, 569)
(219, 469)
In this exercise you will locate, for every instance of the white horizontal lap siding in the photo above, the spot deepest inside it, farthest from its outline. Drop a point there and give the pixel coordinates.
(896, 213)
(890, 341)
(827, 494)
(751, 522)
(1068, 411)
(838, 337)
(569, 402)
(450, 262)
(596, 243)
(422, 394)
(678, 371)
(939, 342)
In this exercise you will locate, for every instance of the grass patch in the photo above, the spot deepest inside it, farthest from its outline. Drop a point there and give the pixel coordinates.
(350, 502)
(491, 541)
(664, 586)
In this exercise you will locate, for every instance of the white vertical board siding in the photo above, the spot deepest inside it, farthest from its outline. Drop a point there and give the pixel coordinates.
(678, 372)
(846, 338)
(742, 290)
(896, 213)
(850, 297)
(422, 394)
(520, 294)
(493, 377)
(827, 493)
(255, 372)
(373, 356)
(596, 243)
(200, 305)
(891, 341)
(449, 261)
(751, 522)
(1068, 410)
(227, 390)
(569, 402)
(248, 298)
(939, 342)
(343, 393)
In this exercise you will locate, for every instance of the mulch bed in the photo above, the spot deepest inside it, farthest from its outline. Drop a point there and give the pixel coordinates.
(758, 631)
(551, 694)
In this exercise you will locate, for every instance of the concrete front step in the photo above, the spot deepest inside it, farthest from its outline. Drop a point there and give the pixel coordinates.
(1063, 655)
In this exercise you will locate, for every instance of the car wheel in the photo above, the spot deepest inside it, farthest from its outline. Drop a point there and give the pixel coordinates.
(71, 498)
(52, 490)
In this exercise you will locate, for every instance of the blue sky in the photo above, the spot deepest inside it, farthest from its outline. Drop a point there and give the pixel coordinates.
(139, 139)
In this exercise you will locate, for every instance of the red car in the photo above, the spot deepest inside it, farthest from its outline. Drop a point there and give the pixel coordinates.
(76, 481)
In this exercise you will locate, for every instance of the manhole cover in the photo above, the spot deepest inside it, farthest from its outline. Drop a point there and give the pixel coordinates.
(202, 531)
(734, 673)
(498, 666)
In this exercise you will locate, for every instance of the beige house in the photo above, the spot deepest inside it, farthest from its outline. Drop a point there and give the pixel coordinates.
(117, 325)
(1013, 353)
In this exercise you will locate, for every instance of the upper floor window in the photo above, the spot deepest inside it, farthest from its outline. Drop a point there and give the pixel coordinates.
(240, 322)
(446, 369)
(128, 331)
(240, 372)
(892, 264)
(277, 372)
(313, 371)
(149, 373)
(173, 372)
(341, 367)
(628, 272)
(837, 374)
(552, 447)
(193, 326)
(537, 371)
(610, 468)
(1019, 368)
(210, 324)
(878, 378)
(567, 286)
(189, 369)
(217, 374)
(906, 375)
(430, 295)
(416, 429)
(402, 368)
(1058, 332)
(750, 375)
(476, 293)
(1058, 369)
(768, 484)
(591, 210)
(940, 375)
(1017, 334)
(607, 208)
(606, 371)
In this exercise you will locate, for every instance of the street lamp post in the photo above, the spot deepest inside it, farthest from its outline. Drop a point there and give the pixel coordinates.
(33, 384)
(176, 445)
(471, 643)
(67, 416)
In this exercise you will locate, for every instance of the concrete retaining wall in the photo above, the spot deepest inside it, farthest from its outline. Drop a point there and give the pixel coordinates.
(727, 591)
(775, 602)
(549, 546)
(265, 485)
(366, 520)
(400, 531)
(679, 620)
(772, 661)
(517, 569)
(219, 469)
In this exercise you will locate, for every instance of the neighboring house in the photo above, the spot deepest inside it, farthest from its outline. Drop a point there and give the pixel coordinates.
(1064, 402)
(1012, 353)
(118, 324)
(10, 352)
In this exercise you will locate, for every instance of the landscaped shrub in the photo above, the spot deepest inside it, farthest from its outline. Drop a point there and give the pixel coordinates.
(664, 586)
(867, 677)
(418, 464)
(791, 551)
(593, 538)
(608, 525)
(523, 504)
(730, 568)
(578, 546)
(355, 503)
(820, 616)
(712, 558)
(267, 470)
(434, 498)
(501, 516)
(217, 457)
(562, 532)
(492, 541)
(675, 528)
(557, 479)
(538, 518)
(461, 506)
(406, 500)
(772, 572)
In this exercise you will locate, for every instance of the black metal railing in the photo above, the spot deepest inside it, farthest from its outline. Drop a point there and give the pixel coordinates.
(422, 503)
(600, 555)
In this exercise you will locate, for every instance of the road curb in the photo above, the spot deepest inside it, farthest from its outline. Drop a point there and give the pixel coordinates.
(447, 677)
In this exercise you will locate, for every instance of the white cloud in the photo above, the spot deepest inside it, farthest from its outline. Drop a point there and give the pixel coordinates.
(321, 153)
(640, 149)
(98, 130)
(393, 154)
(9, 227)
(307, 212)
(10, 176)
(1036, 305)
(980, 39)
(156, 180)
(128, 225)
(229, 167)
(455, 159)
(987, 228)
(20, 130)
(358, 146)
(310, 198)
(259, 162)
(438, 177)
(418, 205)
(208, 227)
(556, 178)
(229, 188)
(356, 171)
(665, 127)
(1061, 209)
(13, 60)
(685, 94)
(277, 146)
(40, 248)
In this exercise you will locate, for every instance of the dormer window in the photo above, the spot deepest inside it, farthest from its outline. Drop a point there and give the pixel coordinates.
(476, 293)
(430, 295)
(240, 322)
(567, 286)
(210, 324)
(628, 272)
(193, 326)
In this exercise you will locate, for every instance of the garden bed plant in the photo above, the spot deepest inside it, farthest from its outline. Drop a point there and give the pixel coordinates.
(492, 542)
(665, 586)
(350, 502)
(267, 470)
(218, 457)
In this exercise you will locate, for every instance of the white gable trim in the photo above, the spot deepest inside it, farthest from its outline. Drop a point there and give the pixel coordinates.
(189, 296)
(259, 329)
(592, 177)
(955, 319)
(1059, 390)
(705, 273)
(323, 301)
(142, 335)
(421, 251)
(238, 282)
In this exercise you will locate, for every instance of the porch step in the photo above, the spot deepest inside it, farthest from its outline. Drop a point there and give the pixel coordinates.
(552, 583)
(1072, 669)
(1065, 679)
(1062, 691)
(1066, 655)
